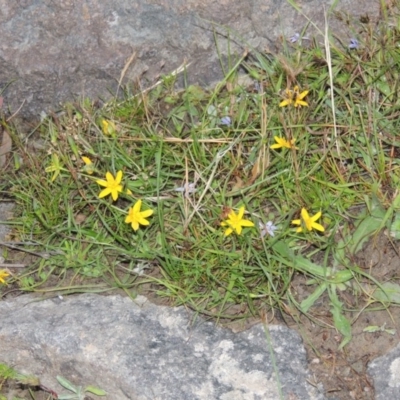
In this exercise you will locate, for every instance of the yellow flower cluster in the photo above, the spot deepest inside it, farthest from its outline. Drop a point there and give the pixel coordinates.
(295, 98)
(113, 187)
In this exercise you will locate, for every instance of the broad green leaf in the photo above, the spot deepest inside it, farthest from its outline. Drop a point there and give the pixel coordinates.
(389, 292)
(372, 329)
(67, 384)
(95, 390)
(395, 227)
(342, 276)
(312, 298)
(298, 262)
(368, 226)
(342, 324)
(68, 397)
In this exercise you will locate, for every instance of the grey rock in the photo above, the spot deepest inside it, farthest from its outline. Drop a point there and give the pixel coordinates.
(54, 51)
(385, 372)
(5, 215)
(137, 350)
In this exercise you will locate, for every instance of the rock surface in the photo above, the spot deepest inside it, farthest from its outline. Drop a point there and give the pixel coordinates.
(53, 51)
(137, 350)
(5, 215)
(385, 371)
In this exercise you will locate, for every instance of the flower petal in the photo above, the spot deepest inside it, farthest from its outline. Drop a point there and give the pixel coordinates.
(143, 221)
(147, 213)
(105, 192)
(300, 103)
(137, 206)
(246, 222)
(316, 217)
(118, 178)
(228, 231)
(86, 160)
(238, 229)
(109, 177)
(135, 225)
(101, 182)
(114, 192)
(285, 102)
(302, 95)
(304, 215)
(318, 227)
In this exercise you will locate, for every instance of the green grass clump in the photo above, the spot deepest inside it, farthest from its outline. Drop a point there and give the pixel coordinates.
(183, 158)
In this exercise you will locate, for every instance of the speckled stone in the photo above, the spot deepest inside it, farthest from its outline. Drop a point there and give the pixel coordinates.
(137, 350)
(54, 51)
(385, 372)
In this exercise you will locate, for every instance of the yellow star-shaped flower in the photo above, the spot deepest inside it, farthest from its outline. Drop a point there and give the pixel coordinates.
(235, 222)
(3, 275)
(108, 127)
(136, 217)
(112, 185)
(294, 97)
(308, 221)
(282, 142)
(89, 167)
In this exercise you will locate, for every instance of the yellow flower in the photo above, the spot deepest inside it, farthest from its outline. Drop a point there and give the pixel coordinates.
(282, 142)
(136, 217)
(55, 166)
(235, 222)
(108, 127)
(294, 97)
(89, 167)
(3, 274)
(112, 185)
(309, 222)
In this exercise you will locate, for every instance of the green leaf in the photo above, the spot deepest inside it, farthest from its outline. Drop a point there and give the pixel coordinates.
(68, 397)
(95, 390)
(67, 384)
(342, 324)
(389, 291)
(312, 298)
(368, 226)
(342, 276)
(395, 227)
(372, 329)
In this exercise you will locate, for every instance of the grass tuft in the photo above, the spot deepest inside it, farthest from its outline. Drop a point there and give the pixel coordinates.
(196, 156)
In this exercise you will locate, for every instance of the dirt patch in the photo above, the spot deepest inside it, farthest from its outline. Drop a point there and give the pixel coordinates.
(344, 373)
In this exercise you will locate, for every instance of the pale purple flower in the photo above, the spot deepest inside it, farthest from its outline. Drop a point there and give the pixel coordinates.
(353, 44)
(294, 38)
(269, 228)
(226, 121)
(257, 86)
(187, 188)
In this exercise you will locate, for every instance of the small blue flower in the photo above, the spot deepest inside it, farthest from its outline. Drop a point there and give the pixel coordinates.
(257, 86)
(226, 121)
(269, 228)
(294, 38)
(187, 188)
(353, 44)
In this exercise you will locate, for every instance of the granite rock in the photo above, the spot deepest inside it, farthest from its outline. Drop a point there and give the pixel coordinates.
(54, 51)
(137, 350)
